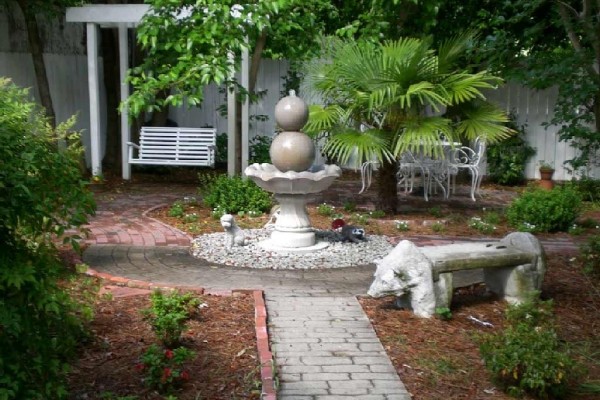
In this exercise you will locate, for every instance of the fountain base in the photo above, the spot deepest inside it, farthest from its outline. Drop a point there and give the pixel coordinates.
(271, 245)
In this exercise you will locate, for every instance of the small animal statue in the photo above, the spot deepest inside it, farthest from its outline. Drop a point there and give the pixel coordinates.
(236, 234)
(350, 233)
(353, 234)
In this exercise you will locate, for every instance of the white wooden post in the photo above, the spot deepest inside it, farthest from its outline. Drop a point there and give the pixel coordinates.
(231, 139)
(245, 72)
(94, 89)
(125, 128)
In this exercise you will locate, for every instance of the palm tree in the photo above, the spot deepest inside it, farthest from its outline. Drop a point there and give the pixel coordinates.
(381, 100)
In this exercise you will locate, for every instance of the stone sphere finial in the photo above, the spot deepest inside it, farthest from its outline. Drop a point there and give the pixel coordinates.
(292, 150)
(291, 112)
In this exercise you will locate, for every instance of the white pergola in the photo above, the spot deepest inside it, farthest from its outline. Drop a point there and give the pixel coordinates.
(123, 17)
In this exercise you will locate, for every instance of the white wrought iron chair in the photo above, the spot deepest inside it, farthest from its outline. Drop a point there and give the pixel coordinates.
(430, 170)
(469, 159)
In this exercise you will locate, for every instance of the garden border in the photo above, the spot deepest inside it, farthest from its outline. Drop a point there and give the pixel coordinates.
(265, 356)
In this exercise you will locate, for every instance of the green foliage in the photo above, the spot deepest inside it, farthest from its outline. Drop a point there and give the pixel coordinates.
(507, 159)
(176, 210)
(588, 188)
(221, 154)
(543, 45)
(190, 218)
(259, 147)
(169, 314)
(349, 206)
(527, 356)
(436, 212)
(188, 44)
(42, 195)
(402, 226)
(438, 227)
(325, 209)
(377, 214)
(443, 313)
(234, 194)
(590, 255)
(164, 368)
(360, 219)
(482, 226)
(538, 210)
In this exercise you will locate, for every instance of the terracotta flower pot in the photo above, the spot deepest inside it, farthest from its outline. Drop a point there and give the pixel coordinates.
(546, 179)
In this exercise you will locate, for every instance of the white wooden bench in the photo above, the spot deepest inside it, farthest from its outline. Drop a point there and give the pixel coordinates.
(175, 146)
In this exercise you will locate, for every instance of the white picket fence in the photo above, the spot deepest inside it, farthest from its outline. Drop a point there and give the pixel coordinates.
(67, 75)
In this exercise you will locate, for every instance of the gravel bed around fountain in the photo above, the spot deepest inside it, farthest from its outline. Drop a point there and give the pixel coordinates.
(212, 247)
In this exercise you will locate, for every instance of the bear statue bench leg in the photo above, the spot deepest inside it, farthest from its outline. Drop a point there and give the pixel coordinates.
(422, 278)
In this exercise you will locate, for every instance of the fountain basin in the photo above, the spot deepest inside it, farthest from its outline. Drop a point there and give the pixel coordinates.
(314, 180)
(293, 230)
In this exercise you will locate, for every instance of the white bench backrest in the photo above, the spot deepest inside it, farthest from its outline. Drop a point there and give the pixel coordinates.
(175, 143)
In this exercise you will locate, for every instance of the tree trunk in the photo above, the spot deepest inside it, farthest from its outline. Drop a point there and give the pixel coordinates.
(110, 60)
(36, 49)
(387, 187)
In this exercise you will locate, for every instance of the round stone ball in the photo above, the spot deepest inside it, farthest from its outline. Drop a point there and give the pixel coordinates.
(292, 151)
(291, 113)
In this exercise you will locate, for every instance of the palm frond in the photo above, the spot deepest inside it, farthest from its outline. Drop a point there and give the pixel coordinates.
(485, 120)
(422, 134)
(464, 87)
(324, 118)
(367, 145)
(454, 47)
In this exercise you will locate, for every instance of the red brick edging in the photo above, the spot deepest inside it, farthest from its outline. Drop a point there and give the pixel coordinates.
(265, 356)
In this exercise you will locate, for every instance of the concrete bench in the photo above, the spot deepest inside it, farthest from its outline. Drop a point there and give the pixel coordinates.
(422, 277)
(175, 146)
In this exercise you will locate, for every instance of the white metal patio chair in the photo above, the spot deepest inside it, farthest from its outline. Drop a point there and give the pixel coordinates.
(469, 159)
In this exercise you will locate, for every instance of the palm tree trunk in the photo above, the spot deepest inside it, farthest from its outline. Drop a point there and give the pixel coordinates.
(387, 188)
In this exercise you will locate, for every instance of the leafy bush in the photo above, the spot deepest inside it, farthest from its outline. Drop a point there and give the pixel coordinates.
(176, 210)
(538, 210)
(221, 153)
(590, 254)
(506, 159)
(164, 369)
(325, 209)
(588, 188)
(235, 194)
(259, 147)
(41, 196)
(169, 314)
(527, 355)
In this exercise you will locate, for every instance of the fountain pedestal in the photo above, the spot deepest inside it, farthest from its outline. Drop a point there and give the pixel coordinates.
(293, 231)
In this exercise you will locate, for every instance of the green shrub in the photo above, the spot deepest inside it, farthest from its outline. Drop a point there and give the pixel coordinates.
(164, 368)
(538, 210)
(507, 159)
(590, 255)
(42, 195)
(176, 210)
(588, 188)
(325, 209)
(527, 355)
(169, 314)
(235, 194)
(221, 153)
(259, 147)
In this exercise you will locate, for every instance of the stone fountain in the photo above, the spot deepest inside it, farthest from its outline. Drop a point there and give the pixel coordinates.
(292, 178)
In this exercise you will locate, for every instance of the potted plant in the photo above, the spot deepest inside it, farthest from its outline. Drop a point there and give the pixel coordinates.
(546, 172)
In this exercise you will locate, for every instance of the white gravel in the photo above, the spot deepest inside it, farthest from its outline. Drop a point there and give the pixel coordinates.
(212, 247)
